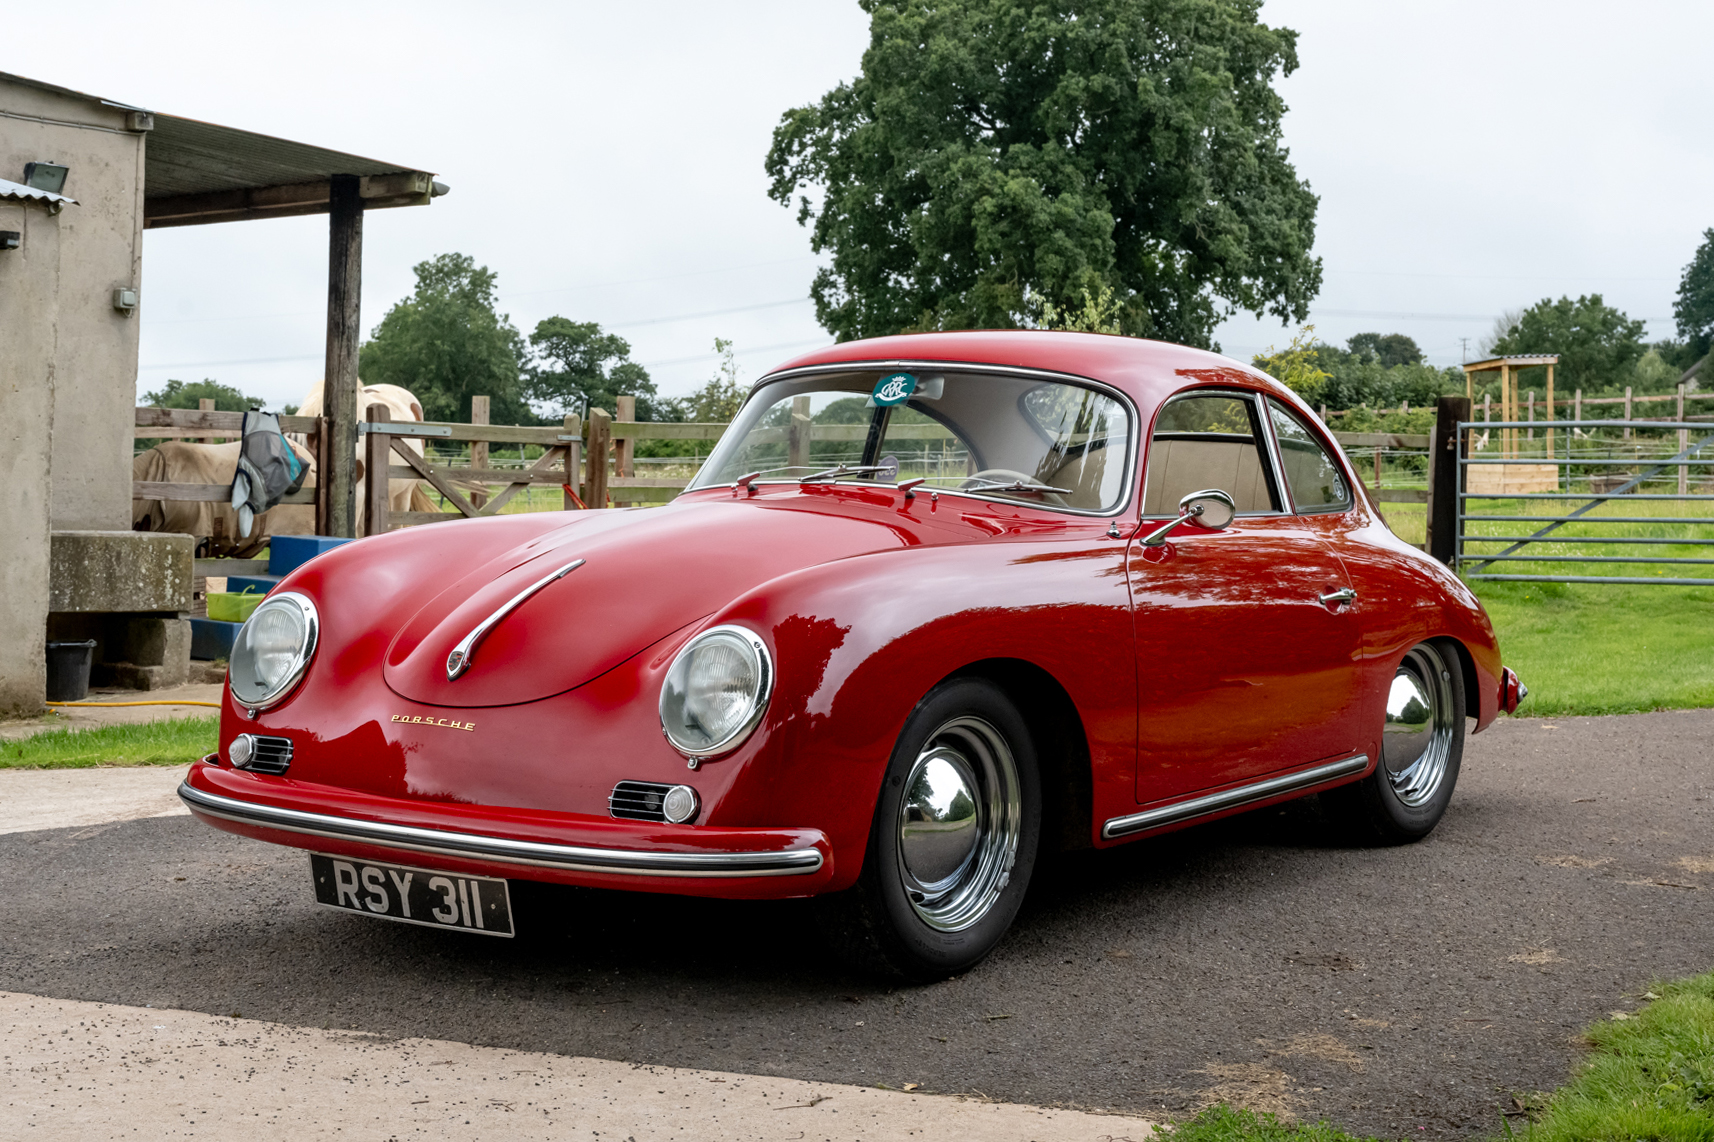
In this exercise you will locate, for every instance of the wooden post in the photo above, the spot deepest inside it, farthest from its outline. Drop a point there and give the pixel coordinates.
(1532, 413)
(1323, 414)
(573, 456)
(479, 448)
(600, 446)
(322, 464)
(1627, 410)
(1445, 478)
(625, 451)
(1550, 412)
(1683, 443)
(344, 333)
(798, 435)
(1577, 412)
(377, 455)
(1377, 468)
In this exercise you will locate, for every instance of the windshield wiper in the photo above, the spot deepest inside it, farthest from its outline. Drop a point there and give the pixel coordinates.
(832, 475)
(1020, 486)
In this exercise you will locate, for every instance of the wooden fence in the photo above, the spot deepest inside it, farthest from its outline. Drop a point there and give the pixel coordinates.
(594, 465)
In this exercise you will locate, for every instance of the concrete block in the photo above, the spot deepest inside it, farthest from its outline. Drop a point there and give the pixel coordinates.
(91, 571)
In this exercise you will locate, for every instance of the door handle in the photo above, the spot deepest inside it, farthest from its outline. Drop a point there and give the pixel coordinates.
(1342, 595)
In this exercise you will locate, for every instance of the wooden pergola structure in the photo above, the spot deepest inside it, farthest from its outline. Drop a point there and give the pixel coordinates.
(1508, 368)
(196, 173)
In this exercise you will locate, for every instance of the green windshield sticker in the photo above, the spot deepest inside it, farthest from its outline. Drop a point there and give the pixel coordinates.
(893, 390)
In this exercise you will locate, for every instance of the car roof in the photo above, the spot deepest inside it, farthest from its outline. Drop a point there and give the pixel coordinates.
(1147, 371)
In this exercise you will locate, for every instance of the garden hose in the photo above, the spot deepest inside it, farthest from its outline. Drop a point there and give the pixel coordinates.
(179, 703)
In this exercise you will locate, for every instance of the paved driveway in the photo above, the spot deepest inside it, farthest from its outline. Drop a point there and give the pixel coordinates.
(1404, 992)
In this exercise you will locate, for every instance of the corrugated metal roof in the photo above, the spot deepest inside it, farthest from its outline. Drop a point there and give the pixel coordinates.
(187, 156)
(18, 192)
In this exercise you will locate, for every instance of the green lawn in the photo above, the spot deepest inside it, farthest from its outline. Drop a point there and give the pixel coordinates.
(1587, 648)
(1226, 1124)
(175, 741)
(1651, 1076)
(1605, 649)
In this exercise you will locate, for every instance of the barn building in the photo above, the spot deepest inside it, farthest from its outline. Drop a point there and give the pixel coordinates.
(81, 178)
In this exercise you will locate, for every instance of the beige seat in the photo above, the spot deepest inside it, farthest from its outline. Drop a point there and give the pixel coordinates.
(1178, 467)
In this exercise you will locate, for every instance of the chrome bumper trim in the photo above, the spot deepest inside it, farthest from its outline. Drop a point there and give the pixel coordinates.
(788, 862)
(1231, 798)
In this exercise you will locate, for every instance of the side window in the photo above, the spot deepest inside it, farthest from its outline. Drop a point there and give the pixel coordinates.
(1205, 441)
(1316, 483)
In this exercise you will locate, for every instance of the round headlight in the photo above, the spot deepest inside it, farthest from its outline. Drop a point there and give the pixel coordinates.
(715, 691)
(273, 650)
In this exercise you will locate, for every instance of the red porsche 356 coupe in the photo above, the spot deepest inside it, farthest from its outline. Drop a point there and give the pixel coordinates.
(934, 602)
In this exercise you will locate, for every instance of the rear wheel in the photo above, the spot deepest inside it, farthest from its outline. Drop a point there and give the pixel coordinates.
(1422, 744)
(953, 841)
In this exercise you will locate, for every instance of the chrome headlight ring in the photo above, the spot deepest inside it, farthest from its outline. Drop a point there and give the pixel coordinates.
(261, 677)
(715, 692)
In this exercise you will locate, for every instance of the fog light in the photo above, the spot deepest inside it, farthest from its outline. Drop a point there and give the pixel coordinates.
(242, 749)
(680, 804)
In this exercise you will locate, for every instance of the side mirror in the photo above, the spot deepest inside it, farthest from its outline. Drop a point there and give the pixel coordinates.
(1210, 509)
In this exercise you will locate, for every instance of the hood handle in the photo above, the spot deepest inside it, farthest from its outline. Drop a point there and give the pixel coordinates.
(459, 660)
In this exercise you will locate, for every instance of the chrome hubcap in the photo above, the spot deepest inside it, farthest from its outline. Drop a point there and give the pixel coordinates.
(958, 824)
(1416, 743)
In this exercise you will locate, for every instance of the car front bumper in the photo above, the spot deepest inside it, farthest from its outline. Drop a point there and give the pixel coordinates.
(521, 844)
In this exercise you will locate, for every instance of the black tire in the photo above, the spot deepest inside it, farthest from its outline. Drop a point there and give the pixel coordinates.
(886, 924)
(1405, 796)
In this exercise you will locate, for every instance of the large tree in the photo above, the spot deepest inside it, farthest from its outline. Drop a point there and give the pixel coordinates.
(190, 394)
(1694, 309)
(999, 156)
(578, 367)
(447, 344)
(1598, 346)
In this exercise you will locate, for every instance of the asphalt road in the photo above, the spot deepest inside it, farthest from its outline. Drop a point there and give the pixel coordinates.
(1400, 992)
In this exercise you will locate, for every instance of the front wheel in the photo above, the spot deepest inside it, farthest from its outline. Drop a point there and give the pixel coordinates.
(1422, 744)
(953, 841)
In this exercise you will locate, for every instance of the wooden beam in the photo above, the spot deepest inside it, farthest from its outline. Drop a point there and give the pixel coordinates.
(573, 429)
(624, 448)
(344, 334)
(478, 448)
(423, 469)
(205, 493)
(407, 188)
(595, 476)
(551, 463)
(232, 422)
(377, 501)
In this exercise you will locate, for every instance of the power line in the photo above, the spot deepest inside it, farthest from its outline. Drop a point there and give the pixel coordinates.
(709, 313)
(662, 277)
(736, 353)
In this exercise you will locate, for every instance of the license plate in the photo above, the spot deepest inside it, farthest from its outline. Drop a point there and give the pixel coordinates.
(413, 895)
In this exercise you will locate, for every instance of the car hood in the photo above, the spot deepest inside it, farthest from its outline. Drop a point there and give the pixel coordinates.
(645, 574)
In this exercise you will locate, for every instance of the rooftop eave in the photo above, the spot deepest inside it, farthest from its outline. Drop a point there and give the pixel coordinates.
(411, 188)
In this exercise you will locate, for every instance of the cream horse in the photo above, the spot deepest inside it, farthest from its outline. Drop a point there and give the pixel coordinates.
(401, 404)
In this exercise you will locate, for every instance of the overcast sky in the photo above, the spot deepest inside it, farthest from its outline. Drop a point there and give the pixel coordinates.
(606, 161)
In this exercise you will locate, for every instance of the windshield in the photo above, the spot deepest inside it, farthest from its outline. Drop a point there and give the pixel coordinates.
(1052, 443)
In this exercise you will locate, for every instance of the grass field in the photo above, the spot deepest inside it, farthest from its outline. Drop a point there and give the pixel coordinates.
(175, 741)
(1587, 648)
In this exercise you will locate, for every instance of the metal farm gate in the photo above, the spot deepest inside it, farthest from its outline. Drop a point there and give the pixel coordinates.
(1608, 497)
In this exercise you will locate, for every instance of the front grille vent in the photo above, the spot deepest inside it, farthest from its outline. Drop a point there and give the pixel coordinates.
(273, 755)
(638, 801)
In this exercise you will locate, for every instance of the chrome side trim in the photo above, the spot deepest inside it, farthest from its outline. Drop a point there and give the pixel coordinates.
(538, 854)
(459, 660)
(1231, 798)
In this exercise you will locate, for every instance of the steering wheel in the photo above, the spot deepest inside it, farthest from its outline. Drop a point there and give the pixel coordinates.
(1006, 476)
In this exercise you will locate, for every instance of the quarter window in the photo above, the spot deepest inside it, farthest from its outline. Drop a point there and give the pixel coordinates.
(1316, 483)
(1209, 440)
